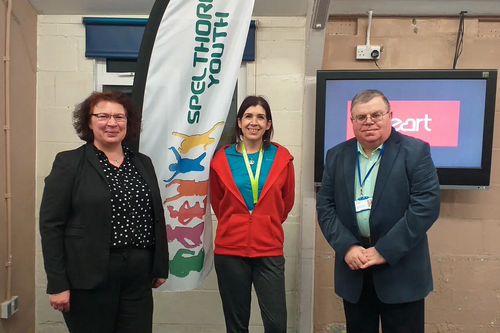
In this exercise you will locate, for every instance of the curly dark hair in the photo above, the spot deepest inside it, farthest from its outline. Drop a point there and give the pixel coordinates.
(254, 101)
(83, 111)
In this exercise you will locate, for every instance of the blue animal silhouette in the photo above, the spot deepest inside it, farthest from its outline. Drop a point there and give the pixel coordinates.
(185, 165)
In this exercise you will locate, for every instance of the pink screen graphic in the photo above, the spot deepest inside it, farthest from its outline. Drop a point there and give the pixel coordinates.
(436, 122)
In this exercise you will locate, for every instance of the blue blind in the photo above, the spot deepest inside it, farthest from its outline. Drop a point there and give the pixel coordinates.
(249, 53)
(120, 38)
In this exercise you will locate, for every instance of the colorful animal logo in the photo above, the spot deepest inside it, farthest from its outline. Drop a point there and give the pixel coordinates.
(186, 213)
(191, 141)
(186, 261)
(185, 165)
(188, 237)
(188, 188)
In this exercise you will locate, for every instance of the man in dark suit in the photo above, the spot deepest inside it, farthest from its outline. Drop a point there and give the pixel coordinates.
(379, 196)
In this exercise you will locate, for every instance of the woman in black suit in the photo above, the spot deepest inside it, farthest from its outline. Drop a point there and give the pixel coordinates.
(102, 223)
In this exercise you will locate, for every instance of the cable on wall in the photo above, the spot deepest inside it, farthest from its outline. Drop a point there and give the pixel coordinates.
(368, 30)
(8, 195)
(460, 39)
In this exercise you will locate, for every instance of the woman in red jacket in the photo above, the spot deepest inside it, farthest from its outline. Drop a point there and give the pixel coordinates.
(252, 190)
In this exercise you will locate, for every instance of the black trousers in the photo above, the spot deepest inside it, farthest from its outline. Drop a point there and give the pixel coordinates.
(363, 317)
(235, 276)
(124, 305)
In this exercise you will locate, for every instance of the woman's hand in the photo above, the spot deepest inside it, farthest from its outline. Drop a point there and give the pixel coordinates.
(158, 282)
(60, 301)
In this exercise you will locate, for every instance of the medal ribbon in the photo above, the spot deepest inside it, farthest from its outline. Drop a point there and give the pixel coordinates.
(254, 180)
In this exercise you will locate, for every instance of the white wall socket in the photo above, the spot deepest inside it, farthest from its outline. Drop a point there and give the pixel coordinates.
(10, 307)
(368, 52)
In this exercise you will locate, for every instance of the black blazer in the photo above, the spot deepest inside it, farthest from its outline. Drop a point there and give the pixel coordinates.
(406, 203)
(75, 220)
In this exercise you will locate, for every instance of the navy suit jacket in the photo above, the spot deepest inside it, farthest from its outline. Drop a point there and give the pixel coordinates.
(75, 221)
(406, 203)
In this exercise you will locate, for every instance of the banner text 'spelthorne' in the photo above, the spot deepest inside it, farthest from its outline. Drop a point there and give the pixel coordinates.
(209, 46)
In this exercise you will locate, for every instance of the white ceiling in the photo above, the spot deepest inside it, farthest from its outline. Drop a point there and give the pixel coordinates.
(143, 7)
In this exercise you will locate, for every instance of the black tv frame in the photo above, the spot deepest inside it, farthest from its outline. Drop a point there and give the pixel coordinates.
(449, 178)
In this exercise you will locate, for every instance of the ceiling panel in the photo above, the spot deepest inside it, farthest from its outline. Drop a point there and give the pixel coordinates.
(416, 7)
(284, 7)
(143, 7)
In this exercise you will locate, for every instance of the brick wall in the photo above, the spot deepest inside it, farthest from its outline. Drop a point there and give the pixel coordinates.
(66, 77)
(465, 250)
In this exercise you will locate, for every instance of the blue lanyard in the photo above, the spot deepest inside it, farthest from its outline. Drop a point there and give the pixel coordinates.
(361, 183)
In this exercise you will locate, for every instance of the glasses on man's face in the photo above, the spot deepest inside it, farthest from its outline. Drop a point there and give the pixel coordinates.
(375, 117)
(105, 117)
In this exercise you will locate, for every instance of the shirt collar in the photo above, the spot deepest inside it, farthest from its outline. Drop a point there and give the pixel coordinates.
(362, 152)
(126, 151)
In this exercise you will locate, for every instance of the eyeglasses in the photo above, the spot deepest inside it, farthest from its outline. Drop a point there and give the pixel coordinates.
(375, 117)
(119, 118)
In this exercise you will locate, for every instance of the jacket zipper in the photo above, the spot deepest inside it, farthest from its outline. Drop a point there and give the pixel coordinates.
(249, 234)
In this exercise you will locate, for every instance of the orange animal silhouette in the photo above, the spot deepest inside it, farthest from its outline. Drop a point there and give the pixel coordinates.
(186, 213)
(191, 141)
(188, 188)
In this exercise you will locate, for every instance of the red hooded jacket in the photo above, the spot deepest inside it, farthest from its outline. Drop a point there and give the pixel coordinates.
(259, 234)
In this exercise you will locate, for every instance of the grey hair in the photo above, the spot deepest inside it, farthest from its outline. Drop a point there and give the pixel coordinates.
(367, 95)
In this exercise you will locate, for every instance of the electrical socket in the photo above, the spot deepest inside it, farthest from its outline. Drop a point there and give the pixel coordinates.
(10, 307)
(368, 52)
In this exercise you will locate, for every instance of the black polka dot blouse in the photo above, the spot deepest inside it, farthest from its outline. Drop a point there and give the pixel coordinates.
(131, 204)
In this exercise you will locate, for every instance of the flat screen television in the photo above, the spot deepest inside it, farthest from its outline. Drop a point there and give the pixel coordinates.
(452, 110)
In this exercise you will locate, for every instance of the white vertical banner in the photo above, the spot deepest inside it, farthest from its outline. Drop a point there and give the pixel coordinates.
(192, 75)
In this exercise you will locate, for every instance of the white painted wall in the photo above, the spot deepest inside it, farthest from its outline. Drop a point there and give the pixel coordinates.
(65, 77)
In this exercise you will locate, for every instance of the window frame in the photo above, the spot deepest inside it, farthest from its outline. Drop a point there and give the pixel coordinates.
(103, 78)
